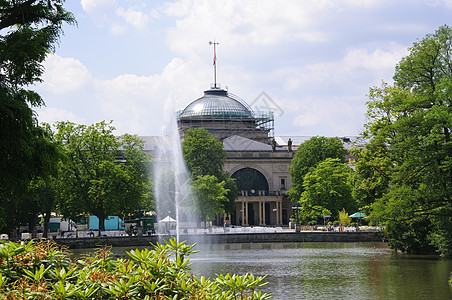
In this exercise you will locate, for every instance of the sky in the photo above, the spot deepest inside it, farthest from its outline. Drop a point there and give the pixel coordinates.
(311, 62)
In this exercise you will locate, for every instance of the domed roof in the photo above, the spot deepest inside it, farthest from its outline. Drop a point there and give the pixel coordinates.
(217, 103)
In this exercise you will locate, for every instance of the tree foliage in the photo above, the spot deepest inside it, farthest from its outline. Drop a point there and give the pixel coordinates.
(308, 155)
(29, 31)
(22, 196)
(372, 172)
(210, 196)
(42, 270)
(328, 186)
(411, 122)
(204, 155)
(344, 218)
(101, 174)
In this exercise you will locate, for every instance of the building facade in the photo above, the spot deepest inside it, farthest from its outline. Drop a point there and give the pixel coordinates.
(253, 158)
(257, 160)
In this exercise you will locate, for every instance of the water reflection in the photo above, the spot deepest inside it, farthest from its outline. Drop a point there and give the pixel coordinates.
(330, 270)
(326, 270)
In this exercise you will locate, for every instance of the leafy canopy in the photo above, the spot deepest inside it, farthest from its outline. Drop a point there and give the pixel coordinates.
(29, 30)
(204, 155)
(308, 155)
(101, 174)
(328, 186)
(408, 168)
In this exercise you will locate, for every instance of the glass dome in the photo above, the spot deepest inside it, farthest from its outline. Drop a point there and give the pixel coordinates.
(217, 103)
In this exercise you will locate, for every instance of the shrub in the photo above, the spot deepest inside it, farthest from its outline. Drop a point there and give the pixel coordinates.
(312, 223)
(43, 270)
(344, 219)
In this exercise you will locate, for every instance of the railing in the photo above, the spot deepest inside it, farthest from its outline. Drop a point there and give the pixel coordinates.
(262, 193)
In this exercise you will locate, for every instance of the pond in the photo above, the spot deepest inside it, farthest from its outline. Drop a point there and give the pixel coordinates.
(329, 270)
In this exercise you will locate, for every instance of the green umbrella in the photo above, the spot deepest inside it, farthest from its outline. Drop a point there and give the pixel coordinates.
(357, 215)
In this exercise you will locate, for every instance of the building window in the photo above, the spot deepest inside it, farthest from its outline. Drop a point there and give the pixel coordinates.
(250, 181)
(283, 184)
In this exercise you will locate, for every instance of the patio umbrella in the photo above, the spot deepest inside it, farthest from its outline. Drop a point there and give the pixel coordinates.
(168, 219)
(357, 215)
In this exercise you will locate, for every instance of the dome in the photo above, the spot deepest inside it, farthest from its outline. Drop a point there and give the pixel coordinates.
(218, 104)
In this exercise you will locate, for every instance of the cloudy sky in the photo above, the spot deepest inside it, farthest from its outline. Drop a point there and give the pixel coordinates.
(311, 61)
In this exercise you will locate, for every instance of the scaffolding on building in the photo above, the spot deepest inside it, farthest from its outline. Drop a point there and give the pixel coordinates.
(218, 113)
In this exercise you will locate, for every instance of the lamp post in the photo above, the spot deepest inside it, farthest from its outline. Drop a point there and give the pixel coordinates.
(297, 228)
(360, 214)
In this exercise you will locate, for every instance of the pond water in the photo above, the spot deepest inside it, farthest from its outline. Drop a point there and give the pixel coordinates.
(329, 270)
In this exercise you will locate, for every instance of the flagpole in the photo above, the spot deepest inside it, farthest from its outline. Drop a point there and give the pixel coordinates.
(214, 62)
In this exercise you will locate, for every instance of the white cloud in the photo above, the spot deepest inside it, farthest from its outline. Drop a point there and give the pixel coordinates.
(378, 63)
(96, 6)
(63, 75)
(242, 24)
(135, 103)
(435, 3)
(133, 17)
(332, 116)
(377, 60)
(101, 11)
(327, 52)
(238, 23)
(111, 14)
(51, 115)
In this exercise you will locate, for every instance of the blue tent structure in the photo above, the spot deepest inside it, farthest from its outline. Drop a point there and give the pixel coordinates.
(357, 215)
(111, 223)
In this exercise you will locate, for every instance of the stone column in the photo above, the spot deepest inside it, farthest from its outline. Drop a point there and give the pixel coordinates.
(260, 210)
(243, 213)
(280, 211)
(264, 222)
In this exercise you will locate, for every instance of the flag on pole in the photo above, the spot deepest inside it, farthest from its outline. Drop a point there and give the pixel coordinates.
(214, 57)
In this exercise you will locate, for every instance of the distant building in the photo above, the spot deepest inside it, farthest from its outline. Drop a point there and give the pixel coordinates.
(258, 161)
(223, 115)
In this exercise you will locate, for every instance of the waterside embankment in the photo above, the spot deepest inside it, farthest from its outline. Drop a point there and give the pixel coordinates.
(276, 237)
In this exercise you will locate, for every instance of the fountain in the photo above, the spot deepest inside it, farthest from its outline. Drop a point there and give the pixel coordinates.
(173, 194)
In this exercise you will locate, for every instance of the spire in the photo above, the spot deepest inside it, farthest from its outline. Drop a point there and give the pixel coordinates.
(214, 62)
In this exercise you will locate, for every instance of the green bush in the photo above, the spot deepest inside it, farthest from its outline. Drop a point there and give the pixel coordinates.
(43, 270)
(312, 223)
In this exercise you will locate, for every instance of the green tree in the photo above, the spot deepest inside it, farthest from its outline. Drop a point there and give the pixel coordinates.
(22, 201)
(344, 219)
(210, 196)
(328, 186)
(373, 167)
(42, 192)
(413, 119)
(204, 155)
(101, 174)
(308, 155)
(29, 30)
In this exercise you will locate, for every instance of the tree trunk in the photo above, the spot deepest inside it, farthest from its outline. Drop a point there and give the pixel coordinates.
(101, 218)
(46, 224)
(32, 225)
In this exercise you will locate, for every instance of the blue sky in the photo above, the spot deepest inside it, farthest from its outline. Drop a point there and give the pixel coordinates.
(134, 61)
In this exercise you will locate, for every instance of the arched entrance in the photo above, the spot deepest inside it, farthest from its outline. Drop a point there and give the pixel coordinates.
(251, 182)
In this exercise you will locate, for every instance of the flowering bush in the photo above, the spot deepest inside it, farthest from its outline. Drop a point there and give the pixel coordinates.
(44, 270)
